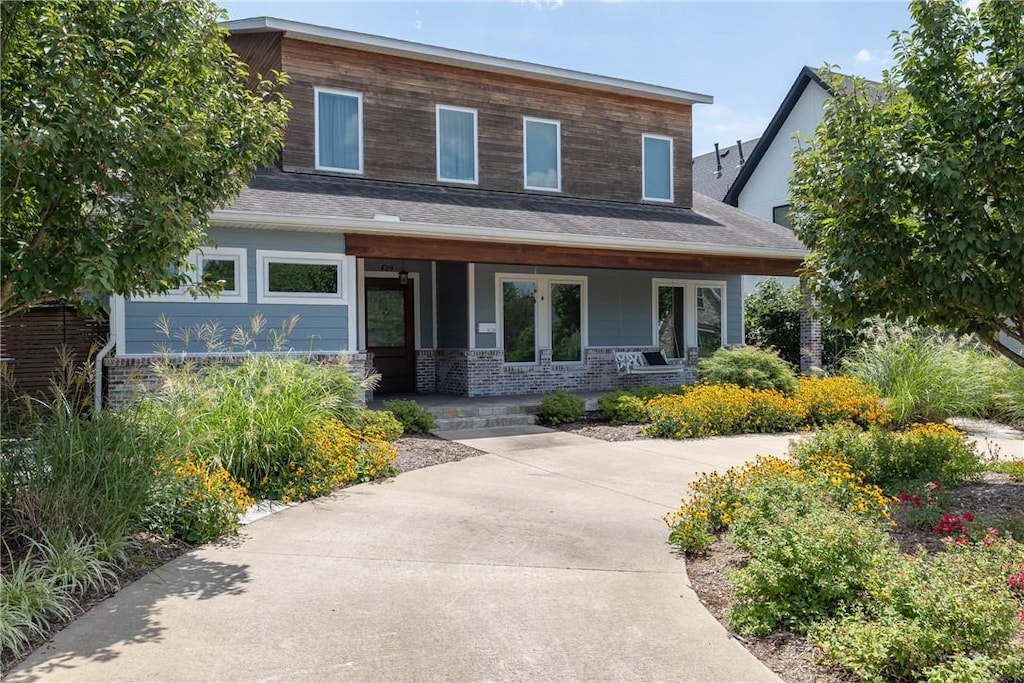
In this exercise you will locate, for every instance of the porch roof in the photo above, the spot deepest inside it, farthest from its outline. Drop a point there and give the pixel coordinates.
(361, 206)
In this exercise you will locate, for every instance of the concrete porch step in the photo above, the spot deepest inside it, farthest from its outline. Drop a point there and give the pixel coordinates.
(451, 424)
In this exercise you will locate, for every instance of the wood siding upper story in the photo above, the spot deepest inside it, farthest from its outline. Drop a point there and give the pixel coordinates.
(601, 132)
(260, 51)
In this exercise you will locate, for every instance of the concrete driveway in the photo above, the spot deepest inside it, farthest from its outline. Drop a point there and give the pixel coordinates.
(544, 560)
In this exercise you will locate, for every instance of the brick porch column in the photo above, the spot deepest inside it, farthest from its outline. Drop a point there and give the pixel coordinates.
(810, 332)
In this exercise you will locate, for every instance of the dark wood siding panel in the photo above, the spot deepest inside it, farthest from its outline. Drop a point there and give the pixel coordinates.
(465, 251)
(30, 345)
(600, 131)
(260, 51)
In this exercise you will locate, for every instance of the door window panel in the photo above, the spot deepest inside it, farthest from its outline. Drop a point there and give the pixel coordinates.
(566, 321)
(519, 321)
(671, 321)
(709, 320)
(385, 318)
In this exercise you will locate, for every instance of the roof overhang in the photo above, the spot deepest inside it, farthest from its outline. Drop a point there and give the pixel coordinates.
(441, 55)
(343, 225)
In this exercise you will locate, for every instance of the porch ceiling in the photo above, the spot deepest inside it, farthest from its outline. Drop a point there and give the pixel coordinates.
(396, 246)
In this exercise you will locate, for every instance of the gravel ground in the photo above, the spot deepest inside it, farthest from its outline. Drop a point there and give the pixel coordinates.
(423, 450)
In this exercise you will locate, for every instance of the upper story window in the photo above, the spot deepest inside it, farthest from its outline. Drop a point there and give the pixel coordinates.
(456, 144)
(542, 154)
(780, 215)
(339, 130)
(657, 165)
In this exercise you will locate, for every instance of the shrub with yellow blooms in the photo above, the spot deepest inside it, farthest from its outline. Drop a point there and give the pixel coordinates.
(826, 400)
(195, 501)
(333, 455)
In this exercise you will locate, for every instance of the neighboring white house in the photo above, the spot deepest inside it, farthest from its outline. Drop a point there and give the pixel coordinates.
(754, 175)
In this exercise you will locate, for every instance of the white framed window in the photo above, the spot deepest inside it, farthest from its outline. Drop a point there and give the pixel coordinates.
(457, 150)
(689, 314)
(300, 277)
(227, 266)
(541, 311)
(542, 154)
(657, 168)
(338, 129)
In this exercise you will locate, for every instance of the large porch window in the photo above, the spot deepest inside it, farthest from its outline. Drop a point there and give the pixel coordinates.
(689, 314)
(541, 311)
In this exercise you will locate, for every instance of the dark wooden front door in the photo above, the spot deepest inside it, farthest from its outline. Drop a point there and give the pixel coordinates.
(390, 329)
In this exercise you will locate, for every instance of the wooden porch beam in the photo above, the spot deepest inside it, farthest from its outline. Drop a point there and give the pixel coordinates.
(465, 251)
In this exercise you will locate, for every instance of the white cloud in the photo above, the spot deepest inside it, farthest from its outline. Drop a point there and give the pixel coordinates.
(866, 56)
(542, 4)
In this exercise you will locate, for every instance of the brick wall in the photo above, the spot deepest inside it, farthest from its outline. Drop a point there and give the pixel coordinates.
(482, 372)
(426, 371)
(124, 377)
(811, 343)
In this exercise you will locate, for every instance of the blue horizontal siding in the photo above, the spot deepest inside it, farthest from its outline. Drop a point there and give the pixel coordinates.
(620, 306)
(319, 327)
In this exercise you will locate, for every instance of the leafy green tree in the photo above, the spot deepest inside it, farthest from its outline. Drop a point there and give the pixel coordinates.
(771, 314)
(911, 196)
(125, 122)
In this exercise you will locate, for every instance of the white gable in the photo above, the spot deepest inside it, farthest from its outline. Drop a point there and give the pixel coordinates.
(768, 185)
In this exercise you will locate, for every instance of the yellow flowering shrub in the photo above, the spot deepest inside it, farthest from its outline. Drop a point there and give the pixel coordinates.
(756, 492)
(333, 455)
(893, 460)
(715, 409)
(195, 501)
(826, 400)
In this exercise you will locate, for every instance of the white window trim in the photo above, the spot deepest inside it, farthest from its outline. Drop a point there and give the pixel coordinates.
(671, 168)
(180, 295)
(689, 308)
(558, 154)
(264, 257)
(476, 143)
(316, 129)
(542, 313)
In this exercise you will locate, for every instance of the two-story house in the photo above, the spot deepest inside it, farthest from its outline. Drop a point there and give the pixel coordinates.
(471, 225)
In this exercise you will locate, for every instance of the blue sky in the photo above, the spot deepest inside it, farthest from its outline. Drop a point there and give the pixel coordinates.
(745, 54)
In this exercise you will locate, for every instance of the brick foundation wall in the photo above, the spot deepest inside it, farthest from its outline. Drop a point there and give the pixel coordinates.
(482, 372)
(124, 377)
(426, 371)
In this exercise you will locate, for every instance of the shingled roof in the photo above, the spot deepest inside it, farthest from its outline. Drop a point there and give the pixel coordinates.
(706, 178)
(346, 204)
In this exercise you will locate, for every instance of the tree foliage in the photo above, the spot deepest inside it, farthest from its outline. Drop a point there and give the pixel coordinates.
(771, 315)
(125, 122)
(911, 196)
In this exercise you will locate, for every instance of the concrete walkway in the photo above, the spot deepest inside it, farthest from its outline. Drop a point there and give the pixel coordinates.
(544, 560)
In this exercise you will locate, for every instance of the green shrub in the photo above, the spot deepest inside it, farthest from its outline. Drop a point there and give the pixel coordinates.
(804, 568)
(1013, 468)
(648, 391)
(383, 420)
(925, 374)
(772, 318)
(622, 407)
(82, 475)
(252, 416)
(415, 419)
(195, 502)
(1008, 399)
(931, 615)
(892, 460)
(29, 602)
(561, 407)
(748, 367)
